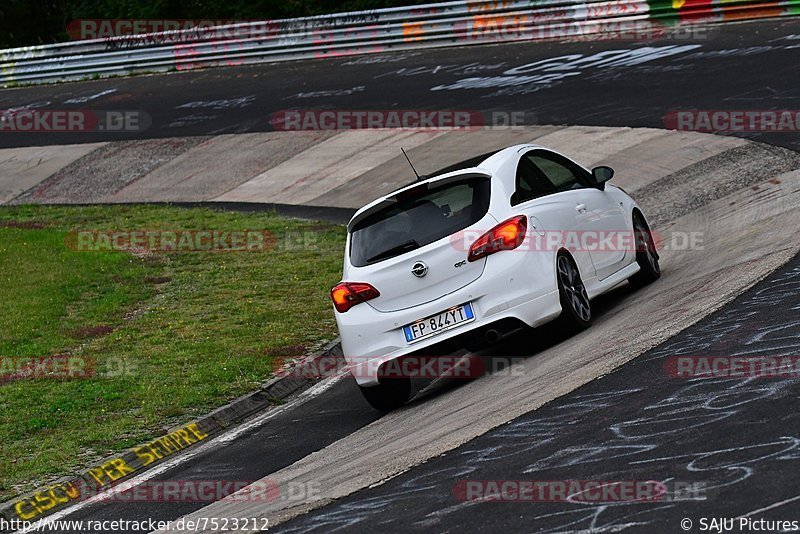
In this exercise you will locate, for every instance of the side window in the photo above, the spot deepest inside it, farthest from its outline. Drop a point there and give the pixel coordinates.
(531, 182)
(543, 173)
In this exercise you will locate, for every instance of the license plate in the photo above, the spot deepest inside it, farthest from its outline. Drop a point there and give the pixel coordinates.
(436, 324)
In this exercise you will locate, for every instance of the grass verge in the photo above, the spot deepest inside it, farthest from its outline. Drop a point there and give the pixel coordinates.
(170, 335)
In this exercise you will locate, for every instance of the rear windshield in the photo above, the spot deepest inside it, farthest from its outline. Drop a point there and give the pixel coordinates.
(421, 216)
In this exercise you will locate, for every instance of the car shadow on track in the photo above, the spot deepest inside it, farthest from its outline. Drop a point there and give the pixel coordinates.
(523, 344)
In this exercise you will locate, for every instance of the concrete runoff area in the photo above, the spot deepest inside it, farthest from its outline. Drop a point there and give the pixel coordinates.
(350, 168)
(594, 144)
(655, 158)
(216, 165)
(437, 153)
(24, 168)
(104, 171)
(327, 165)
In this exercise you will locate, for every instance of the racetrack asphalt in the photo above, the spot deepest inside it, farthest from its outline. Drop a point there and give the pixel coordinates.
(737, 66)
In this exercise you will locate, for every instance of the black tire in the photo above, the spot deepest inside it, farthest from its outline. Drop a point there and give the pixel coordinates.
(576, 308)
(646, 254)
(389, 395)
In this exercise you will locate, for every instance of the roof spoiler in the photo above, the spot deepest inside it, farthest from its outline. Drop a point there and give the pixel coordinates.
(397, 196)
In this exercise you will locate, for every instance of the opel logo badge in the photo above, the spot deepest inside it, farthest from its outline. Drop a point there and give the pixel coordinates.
(419, 269)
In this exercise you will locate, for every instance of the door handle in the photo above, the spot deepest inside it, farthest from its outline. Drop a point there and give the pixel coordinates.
(580, 208)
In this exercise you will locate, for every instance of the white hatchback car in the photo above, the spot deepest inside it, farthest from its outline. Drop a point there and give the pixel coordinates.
(520, 236)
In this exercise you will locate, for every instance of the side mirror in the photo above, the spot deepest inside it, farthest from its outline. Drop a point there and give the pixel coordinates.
(601, 175)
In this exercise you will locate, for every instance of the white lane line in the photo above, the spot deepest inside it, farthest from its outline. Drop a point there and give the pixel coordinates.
(314, 391)
(226, 437)
(324, 385)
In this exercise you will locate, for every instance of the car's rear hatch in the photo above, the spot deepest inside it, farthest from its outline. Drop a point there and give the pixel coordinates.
(424, 230)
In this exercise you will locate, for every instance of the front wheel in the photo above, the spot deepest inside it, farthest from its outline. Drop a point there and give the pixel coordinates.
(576, 309)
(646, 255)
(389, 395)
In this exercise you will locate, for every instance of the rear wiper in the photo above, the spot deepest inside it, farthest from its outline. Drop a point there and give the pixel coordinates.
(394, 251)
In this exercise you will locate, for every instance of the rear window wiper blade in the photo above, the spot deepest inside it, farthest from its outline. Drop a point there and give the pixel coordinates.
(394, 251)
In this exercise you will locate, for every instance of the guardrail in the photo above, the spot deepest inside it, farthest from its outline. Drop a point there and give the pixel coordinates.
(402, 28)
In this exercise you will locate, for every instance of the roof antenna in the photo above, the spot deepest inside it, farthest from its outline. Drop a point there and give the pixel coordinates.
(412, 165)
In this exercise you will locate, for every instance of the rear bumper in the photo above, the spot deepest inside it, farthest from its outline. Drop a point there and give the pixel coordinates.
(370, 344)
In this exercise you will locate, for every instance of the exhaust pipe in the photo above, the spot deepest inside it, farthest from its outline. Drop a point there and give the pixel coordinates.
(492, 335)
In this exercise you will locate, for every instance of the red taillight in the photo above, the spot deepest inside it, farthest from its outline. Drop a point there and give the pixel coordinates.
(507, 235)
(347, 294)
